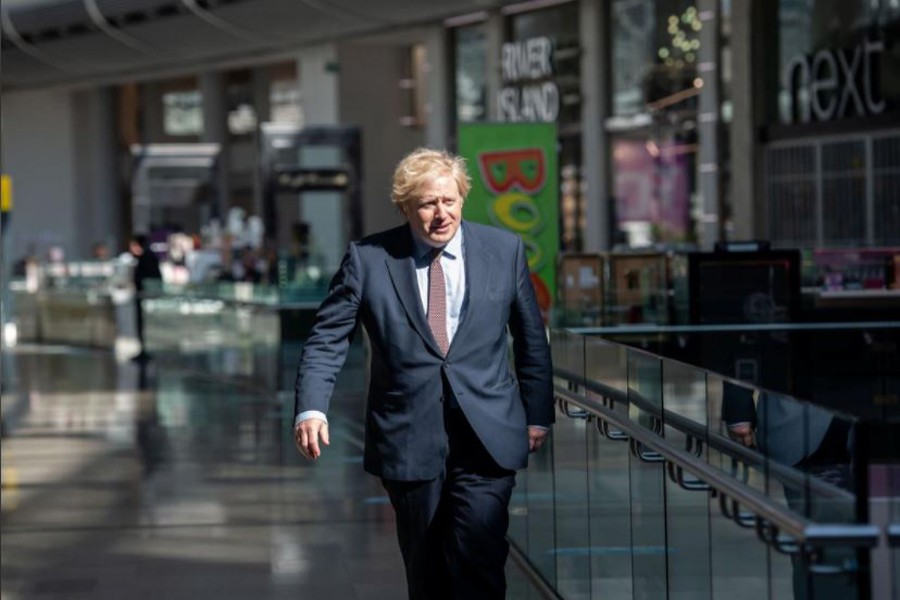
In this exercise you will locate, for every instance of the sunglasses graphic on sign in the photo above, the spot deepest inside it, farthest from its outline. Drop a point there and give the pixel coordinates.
(505, 169)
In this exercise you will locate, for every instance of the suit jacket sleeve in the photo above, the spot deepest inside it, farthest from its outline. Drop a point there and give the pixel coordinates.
(326, 348)
(737, 404)
(534, 369)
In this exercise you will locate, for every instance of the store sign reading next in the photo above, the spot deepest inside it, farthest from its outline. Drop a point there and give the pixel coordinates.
(834, 83)
(528, 94)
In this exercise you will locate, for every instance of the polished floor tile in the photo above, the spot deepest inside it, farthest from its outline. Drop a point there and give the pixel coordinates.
(124, 480)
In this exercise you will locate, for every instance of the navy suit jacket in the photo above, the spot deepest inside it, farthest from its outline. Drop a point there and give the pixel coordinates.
(409, 378)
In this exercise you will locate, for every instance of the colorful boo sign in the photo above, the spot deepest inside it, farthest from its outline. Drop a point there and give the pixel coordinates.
(515, 187)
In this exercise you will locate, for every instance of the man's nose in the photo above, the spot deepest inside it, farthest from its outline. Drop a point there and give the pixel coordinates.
(441, 211)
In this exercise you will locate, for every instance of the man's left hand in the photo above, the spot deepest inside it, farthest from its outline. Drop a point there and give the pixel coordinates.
(536, 437)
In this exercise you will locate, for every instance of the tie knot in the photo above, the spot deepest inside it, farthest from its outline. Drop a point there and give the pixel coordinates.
(436, 254)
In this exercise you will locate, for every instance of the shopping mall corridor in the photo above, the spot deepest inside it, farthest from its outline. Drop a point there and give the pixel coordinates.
(133, 481)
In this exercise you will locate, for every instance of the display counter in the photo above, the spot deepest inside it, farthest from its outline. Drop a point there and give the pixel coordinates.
(243, 331)
(82, 304)
(851, 305)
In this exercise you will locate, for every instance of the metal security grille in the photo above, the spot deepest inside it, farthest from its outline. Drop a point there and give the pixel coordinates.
(843, 182)
(886, 184)
(835, 192)
(792, 195)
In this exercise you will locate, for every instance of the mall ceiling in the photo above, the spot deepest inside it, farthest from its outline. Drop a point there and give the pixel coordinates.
(83, 42)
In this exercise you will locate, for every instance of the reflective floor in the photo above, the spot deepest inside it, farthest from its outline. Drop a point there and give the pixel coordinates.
(145, 481)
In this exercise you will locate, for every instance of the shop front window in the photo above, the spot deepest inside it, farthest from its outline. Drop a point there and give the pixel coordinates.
(656, 86)
(835, 101)
(284, 94)
(471, 73)
(836, 60)
(183, 113)
(541, 81)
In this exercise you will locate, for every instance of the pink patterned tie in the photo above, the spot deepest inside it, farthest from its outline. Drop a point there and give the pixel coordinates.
(437, 301)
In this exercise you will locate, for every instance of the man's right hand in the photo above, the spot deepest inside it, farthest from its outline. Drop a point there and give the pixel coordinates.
(742, 433)
(307, 434)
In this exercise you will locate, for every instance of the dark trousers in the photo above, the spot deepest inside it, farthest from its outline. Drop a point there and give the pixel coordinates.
(452, 530)
(139, 323)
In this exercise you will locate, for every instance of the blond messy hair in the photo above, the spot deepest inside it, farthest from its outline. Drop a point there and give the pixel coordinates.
(423, 164)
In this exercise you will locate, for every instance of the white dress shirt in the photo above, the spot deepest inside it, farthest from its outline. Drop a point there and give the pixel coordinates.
(454, 278)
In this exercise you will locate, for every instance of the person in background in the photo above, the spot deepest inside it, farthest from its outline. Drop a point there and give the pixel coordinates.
(447, 424)
(100, 251)
(146, 268)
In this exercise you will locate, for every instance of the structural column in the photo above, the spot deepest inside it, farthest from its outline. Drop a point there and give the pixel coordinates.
(262, 105)
(319, 85)
(437, 94)
(748, 207)
(215, 131)
(494, 37)
(97, 175)
(595, 107)
(709, 125)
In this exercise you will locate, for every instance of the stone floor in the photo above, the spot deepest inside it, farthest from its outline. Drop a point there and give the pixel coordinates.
(125, 480)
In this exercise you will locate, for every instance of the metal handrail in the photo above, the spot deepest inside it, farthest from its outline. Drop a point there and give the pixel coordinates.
(893, 534)
(692, 429)
(771, 520)
(535, 578)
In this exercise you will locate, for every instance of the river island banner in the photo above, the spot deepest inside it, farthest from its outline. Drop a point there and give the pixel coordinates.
(515, 186)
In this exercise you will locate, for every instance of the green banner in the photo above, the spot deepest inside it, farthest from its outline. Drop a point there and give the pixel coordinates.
(515, 177)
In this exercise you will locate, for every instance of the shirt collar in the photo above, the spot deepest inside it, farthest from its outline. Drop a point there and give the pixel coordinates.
(453, 249)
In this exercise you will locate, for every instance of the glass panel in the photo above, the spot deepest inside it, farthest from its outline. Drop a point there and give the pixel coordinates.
(540, 534)
(894, 493)
(738, 561)
(532, 510)
(648, 521)
(609, 501)
(687, 511)
(567, 350)
(570, 491)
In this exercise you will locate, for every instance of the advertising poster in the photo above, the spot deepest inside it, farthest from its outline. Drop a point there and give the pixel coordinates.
(514, 172)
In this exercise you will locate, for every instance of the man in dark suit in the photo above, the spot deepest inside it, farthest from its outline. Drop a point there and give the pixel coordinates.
(447, 425)
(146, 268)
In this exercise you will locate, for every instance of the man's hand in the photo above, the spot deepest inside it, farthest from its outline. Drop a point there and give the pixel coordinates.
(307, 434)
(742, 433)
(536, 437)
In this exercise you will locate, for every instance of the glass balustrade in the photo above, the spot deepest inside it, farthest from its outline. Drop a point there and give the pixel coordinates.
(666, 480)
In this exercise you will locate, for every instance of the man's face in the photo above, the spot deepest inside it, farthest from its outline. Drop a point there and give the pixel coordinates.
(436, 214)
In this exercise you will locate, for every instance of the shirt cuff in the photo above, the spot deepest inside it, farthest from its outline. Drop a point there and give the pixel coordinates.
(541, 427)
(310, 414)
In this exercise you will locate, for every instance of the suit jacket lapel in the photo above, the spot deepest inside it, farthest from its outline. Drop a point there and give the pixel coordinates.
(402, 270)
(476, 265)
